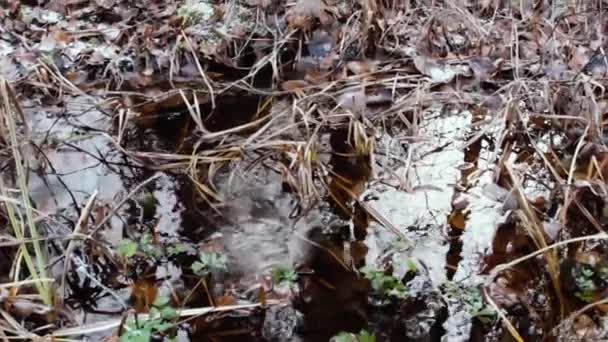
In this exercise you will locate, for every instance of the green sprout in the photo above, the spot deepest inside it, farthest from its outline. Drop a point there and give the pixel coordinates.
(362, 336)
(284, 275)
(474, 302)
(586, 285)
(208, 262)
(387, 285)
(159, 321)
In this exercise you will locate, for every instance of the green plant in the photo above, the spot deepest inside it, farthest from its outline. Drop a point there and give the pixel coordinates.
(603, 272)
(387, 285)
(158, 321)
(146, 246)
(362, 336)
(147, 202)
(584, 281)
(22, 221)
(208, 262)
(127, 248)
(284, 275)
(474, 302)
(177, 248)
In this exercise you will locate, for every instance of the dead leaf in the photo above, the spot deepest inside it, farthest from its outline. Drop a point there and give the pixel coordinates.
(294, 85)
(259, 3)
(484, 68)
(107, 4)
(144, 292)
(552, 229)
(23, 309)
(354, 101)
(439, 73)
(8, 69)
(579, 58)
(302, 14)
(359, 68)
(320, 44)
(457, 220)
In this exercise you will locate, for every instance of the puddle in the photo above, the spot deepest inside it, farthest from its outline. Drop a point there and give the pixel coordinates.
(75, 156)
(421, 210)
(259, 217)
(443, 198)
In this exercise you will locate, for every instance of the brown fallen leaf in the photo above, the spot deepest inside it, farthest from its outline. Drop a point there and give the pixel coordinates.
(484, 68)
(354, 101)
(144, 292)
(359, 68)
(579, 58)
(438, 72)
(294, 85)
(457, 220)
(301, 16)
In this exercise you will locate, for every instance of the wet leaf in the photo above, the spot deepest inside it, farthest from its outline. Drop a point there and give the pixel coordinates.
(294, 85)
(320, 44)
(23, 308)
(144, 293)
(439, 73)
(484, 68)
(457, 220)
(354, 101)
(301, 15)
(359, 68)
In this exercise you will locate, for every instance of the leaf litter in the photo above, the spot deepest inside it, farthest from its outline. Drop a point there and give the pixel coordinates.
(417, 170)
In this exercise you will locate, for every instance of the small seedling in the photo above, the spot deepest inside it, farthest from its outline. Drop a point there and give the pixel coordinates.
(475, 304)
(159, 321)
(387, 285)
(586, 285)
(362, 336)
(177, 248)
(129, 248)
(208, 262)
(284, 275)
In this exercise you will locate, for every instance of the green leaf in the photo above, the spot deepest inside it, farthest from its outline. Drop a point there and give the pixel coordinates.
(344, 337)
(161, 327)
(148, 204)
(148, 246)
(177, 248)
(282, 274)
(365, 336)
(208, 262)
(199, 268)
(136, 335)
(585, 296)
(168, 313)
(161, 301)
(127, 248)
(587, 272)
(411, 266)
